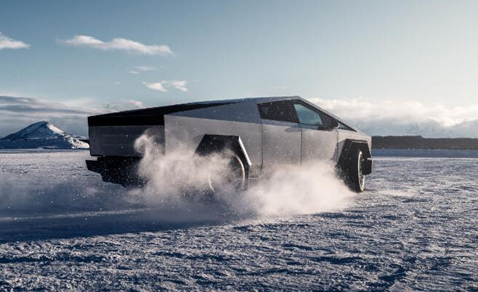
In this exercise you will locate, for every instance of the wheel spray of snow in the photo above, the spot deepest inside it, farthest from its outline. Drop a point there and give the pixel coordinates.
(286, 190)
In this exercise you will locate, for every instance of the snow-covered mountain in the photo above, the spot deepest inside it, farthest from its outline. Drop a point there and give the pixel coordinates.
(41, 135)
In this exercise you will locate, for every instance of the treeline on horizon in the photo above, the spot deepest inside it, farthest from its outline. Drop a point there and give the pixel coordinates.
(419, 142)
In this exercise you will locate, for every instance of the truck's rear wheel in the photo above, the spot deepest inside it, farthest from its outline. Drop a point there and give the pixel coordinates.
(233, 178)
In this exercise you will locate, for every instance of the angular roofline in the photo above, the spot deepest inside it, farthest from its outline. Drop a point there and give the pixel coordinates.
(245, 99)
(205, 103)
(176, 108)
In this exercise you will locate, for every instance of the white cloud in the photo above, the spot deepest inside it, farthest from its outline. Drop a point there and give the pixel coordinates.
(118, 44)
(8, 43)
(281, 87)
(178, 84)
(163, 84)
(155, 86)
(145, 68)
(138, 69)
(136, 103)
(404, 118)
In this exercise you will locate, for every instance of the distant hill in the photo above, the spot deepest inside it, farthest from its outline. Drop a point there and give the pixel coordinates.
(418, 142)
(42, 135)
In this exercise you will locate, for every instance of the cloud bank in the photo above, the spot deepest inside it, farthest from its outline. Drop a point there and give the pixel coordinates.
(8, 43)
(373, 118)
(18, 112)
(164, 84)
(405, 118)
(118, 44)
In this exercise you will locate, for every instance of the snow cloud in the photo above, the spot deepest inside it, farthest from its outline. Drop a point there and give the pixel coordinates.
(286, 191)
(8, 43)
(405, 118)
(162, 85)
(119, 44)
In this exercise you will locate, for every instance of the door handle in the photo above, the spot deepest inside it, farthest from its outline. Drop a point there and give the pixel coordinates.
(292, 129)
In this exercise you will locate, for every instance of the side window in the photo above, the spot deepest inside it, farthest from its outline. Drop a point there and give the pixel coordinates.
(308, 116)
(345, 127)
(278, 111)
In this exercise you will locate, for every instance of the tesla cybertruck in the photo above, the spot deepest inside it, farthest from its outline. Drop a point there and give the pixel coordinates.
(258, 134)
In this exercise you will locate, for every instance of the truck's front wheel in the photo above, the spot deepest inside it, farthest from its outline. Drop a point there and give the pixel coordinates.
(356, 177)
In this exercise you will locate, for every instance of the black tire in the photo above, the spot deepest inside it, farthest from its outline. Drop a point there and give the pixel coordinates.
(234, 179)
(355, 177)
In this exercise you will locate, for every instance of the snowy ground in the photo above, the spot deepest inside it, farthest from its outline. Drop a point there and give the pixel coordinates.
(62, 228)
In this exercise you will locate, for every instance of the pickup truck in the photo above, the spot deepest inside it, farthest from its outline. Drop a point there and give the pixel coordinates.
(258, 133)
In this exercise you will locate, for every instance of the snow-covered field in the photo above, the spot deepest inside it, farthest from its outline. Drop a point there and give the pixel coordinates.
(415, 228)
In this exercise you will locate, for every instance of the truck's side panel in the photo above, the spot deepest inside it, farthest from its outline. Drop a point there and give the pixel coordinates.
(281, 143)
(188, 132)
(318, 144)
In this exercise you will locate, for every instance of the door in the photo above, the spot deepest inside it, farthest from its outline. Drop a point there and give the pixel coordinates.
(281, 133)
(319, 134)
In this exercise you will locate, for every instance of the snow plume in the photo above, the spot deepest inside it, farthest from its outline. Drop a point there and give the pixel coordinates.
(170, 177)
(178, 175)
(304, 189)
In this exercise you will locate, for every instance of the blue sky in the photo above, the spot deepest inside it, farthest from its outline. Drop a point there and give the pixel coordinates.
(179, 51)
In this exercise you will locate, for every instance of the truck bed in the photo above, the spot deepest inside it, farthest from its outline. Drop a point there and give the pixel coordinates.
(114, 134)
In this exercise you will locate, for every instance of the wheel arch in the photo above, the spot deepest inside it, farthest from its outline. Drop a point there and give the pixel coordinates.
(218, 143)
(350, 147)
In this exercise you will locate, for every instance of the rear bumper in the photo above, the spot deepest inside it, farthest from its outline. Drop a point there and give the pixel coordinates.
(118, 170)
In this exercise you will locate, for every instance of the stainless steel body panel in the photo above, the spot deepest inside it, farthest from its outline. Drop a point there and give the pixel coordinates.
(280, 143)
(318, 144)
(187, 132)
(352, 135)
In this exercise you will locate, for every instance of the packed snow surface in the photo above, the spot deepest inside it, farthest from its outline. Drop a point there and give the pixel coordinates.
(41, 135)
(414, 228)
